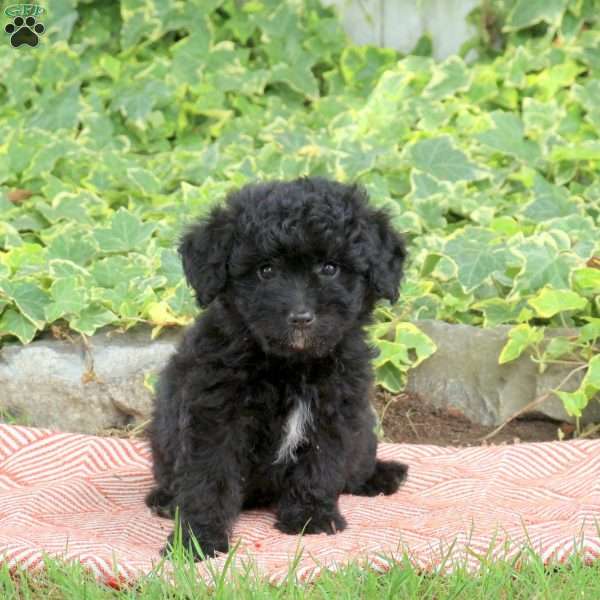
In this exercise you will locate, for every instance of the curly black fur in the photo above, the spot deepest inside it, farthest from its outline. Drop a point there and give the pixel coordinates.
(266, 401)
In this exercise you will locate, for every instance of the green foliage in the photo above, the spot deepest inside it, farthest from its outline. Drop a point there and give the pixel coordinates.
(401, 346)
(549, 302)
(133, 117)
(520, 338)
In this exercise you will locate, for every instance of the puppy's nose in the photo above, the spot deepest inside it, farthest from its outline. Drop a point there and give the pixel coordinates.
(301, 318)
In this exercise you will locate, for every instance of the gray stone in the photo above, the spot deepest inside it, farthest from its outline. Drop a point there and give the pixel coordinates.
(60, 384)
(464, 375)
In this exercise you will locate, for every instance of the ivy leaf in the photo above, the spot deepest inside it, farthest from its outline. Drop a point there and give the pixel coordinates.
(549, 302)
(9, 236)
(520, 338)
(550, 201)
(591, 381)
(183, 303)
(477, 259)
(114, 270)
(59, 268)
(74, 247)
(26, 259)
(409, 348)
(440, 267)
(143, 180)
(585, 150)
(544, 264)
(541, 118)
(111, 65)
(507, 137)
(574, 402)
(126, 232)
(591, 331)
(160, 315)
(14, 323)
(419, 345)
(62, 19)
(298, 76)
(139, 98)
(170, 266)
(140, 19)
(392, 352)
(65, 207)
(45, 159)
(450, 77)
(390, 377)
(189, 55)
(439, 158)
(91, 319)
(361, 66)
(29, 298)
(59, 110)
(559, 347)
(550, 81)
(497, 311)
(69, 298)
(423, 186)
(587, 280)
(526, 13)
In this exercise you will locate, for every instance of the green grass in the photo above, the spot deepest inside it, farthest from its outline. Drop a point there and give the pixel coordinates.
(528, 579)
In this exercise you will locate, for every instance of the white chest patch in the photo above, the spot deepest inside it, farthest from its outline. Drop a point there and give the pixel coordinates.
(294, 432)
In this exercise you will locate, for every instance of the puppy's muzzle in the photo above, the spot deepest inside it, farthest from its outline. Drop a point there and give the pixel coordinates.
(300, 322)
(301, 319)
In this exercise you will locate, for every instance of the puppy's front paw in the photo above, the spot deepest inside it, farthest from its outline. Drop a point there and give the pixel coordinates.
(301, 521)
(160, 502)
(199, 548)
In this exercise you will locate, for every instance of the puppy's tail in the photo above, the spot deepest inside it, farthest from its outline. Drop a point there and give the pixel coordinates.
(386, 479)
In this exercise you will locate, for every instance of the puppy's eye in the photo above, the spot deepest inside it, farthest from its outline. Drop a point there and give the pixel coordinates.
(329, 269)
(266, 271)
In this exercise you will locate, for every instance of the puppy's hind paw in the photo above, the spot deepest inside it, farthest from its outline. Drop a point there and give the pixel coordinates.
(385, 480)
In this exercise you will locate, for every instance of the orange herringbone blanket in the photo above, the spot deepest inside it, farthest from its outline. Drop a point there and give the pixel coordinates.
(80, 497)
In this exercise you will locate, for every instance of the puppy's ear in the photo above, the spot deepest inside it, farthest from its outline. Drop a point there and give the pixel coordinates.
(205, 250)
(386, 257)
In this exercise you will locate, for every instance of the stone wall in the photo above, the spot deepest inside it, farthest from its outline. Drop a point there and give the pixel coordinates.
(400, 23)
(71, 387)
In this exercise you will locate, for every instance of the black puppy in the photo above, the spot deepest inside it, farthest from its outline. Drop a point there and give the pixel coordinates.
(266, 401)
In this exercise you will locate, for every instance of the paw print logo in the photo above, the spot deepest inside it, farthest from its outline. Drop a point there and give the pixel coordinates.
(24, 31)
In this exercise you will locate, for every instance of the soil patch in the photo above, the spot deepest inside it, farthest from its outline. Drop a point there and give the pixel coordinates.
(408, 419)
